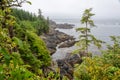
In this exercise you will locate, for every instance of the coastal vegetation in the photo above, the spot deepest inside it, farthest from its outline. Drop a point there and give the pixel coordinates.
(86, 38)
(38, 24)
(104, 67)
(22, 52)
(24, 55)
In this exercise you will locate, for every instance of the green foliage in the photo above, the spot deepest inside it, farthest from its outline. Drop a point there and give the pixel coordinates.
(86, 18)
(114, 52)
(22, 52)
(32, 49)
(86, 38)
(23, 15)
(29, 20)
(13, 3)
(41, 26)
(27, 25)
(96, 69)
(38, 48)
(105, 67)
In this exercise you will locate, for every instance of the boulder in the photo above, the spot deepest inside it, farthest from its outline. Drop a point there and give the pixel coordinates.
(68, 43)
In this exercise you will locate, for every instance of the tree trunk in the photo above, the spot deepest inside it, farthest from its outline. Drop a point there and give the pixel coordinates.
(11, 33)
(86, 38)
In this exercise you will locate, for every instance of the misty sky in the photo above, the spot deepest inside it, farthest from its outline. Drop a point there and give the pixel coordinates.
(74, 8)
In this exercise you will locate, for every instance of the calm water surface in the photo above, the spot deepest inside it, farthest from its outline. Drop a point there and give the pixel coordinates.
(102, 31)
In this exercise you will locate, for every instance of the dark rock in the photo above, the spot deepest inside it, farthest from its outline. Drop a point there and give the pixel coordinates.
(55, 37)
(68, 43)
(65, 26)
(65, 69)
(52, 22)
(67, 65)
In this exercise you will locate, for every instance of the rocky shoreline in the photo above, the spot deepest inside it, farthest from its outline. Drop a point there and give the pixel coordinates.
(59, 39)
(65, 26)
(55, 37)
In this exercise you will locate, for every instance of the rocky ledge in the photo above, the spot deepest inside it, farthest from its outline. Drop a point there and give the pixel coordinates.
(54, 37)
(65, 26)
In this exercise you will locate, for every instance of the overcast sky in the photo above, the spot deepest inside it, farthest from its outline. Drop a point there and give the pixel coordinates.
(74, 8)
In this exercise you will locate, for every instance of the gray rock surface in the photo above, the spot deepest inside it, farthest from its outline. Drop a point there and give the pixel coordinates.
(67, 65)
(68, 43)
(65, 26)
(55, 37)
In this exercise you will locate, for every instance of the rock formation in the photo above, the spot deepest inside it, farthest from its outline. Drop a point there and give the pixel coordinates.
(67, 65)
(54, 37)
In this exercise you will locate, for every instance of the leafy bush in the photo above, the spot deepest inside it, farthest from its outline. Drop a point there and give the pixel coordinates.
(105, 67)
(22, 52)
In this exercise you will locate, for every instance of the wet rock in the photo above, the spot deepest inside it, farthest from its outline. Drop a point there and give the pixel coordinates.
(68, 43)
(54, 37)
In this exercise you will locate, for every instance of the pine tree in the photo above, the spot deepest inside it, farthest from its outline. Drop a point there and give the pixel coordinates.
(86, 38)
(39, 13)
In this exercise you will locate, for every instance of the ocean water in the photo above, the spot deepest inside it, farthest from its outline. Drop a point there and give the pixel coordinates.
(102, 31)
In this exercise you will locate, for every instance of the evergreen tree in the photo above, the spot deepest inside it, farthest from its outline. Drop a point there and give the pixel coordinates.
(86, 38)
(39, 13)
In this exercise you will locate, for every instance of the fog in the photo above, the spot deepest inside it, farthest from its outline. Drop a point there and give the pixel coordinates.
(104, 9)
